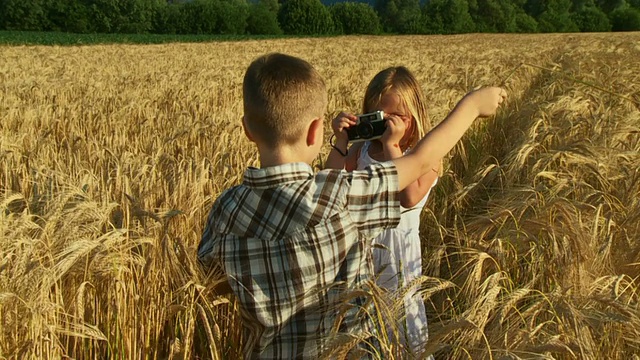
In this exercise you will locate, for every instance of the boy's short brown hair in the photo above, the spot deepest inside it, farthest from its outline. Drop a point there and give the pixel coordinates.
(281, 95)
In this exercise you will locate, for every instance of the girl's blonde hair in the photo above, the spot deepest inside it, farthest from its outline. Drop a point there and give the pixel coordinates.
(402, 81)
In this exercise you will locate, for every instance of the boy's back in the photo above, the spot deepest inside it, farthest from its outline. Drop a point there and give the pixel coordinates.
(292, 244)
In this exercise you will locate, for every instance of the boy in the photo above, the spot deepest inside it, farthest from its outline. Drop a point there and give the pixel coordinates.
(292, 243)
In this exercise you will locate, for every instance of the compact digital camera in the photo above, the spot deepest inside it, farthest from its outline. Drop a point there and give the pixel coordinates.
(368, 127)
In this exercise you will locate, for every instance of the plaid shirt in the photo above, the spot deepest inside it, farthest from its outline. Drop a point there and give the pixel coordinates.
(292, 244)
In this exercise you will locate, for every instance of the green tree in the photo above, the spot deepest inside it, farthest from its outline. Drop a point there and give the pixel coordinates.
(609, 5)
(122, 16)
(262, 20)
(448, 17)
(579, 4)
(232, 16)
(170, 19)
(272, 5)
(400, 16)
(24, 15)
(556, 17)
(625, 18)
(525, 23)
(534, 7)
(388, 12)
(355, 18)
(68, 15)
(410, 17)
(591, 19)
(305, 17)
(201, 17)
(493, 15)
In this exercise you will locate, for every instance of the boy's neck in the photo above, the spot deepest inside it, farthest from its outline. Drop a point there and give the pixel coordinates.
(283, 155)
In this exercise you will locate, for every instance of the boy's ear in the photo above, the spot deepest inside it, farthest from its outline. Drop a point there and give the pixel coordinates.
(315, 132)
(247, 132)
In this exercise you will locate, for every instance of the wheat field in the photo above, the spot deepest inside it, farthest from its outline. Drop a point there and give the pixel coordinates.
(111, 156)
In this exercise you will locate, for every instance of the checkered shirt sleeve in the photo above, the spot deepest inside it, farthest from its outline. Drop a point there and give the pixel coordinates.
(292, 244)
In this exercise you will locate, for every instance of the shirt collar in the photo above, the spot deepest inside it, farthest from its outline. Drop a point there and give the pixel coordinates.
(273, 176)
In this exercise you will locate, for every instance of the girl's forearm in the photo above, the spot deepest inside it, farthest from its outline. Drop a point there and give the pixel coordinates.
(411, 192)
(439, 141)
(338, 155)
(391, 151)
(436, 144)
(334, 160)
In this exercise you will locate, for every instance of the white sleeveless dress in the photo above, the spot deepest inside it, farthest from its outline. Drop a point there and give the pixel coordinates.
(397, 259)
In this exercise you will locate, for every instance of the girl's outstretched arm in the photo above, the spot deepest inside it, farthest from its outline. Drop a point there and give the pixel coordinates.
(439, 141)
(416, 191)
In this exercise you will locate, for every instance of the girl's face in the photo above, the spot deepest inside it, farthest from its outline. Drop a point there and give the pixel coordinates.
(392, 104)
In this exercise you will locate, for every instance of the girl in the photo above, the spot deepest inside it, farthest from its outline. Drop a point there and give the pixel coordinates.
(397, 258)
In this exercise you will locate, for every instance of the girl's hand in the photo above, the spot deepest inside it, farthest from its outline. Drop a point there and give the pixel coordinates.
(342, 121)
(486, 100)
(394, 132)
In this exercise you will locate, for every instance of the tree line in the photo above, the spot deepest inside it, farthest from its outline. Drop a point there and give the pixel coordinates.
(312, 17)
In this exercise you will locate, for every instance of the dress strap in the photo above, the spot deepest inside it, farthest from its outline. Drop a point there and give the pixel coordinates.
(365, 147)
(364, 150)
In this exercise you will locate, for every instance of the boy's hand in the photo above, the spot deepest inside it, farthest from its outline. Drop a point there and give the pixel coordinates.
(486, 100)
(394, 132)
(342, 121)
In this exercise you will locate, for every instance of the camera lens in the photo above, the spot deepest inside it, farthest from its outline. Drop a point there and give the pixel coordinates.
(365, 130)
